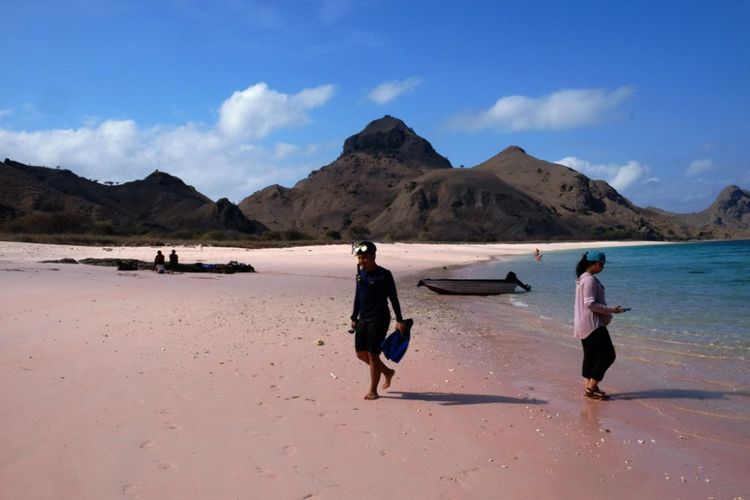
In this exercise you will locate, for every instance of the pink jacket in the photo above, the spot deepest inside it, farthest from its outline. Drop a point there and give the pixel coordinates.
(591, 311)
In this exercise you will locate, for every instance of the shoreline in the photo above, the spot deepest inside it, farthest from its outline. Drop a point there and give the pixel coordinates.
(146, 385)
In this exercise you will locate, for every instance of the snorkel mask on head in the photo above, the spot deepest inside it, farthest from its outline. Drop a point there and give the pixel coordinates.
(364, 247)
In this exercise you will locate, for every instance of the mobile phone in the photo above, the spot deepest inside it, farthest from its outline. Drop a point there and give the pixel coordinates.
(625, 309)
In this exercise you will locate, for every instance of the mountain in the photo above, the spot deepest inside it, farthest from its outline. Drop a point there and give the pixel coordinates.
(586, 207)
(41, 199)
(388, 183)
(348, 194)
(728, 217)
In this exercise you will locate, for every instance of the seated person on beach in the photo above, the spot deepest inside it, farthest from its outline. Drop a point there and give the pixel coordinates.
(159, 262)
(370, 318)
(173, 260)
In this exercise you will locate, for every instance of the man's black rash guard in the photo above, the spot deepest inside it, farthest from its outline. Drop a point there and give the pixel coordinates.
(374, 289)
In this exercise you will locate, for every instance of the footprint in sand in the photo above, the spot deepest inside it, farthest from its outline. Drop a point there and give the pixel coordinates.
(164, 466)
(171, 426)
(131, 491)
(147, 444)
(468, 474)
(267, 473)
(289, 450)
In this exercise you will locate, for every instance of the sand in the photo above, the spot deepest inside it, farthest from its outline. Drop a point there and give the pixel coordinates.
(196, 386)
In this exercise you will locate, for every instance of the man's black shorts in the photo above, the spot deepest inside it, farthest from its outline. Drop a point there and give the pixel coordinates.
(369, 334)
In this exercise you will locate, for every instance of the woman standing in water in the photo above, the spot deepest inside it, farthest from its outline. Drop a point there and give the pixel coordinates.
(590, 319)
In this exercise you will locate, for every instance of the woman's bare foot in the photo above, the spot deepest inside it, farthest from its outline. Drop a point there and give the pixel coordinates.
(388, 376)
(371, 395)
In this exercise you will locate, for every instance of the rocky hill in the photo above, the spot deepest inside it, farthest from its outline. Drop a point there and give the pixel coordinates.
(388, 183)
(587, 208)
(728, 217)
(54, 200)
(347, 195)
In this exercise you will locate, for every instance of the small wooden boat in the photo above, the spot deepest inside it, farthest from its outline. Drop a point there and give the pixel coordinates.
(474, 286)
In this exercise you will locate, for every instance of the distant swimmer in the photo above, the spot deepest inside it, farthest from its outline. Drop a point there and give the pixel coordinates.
(537, 255)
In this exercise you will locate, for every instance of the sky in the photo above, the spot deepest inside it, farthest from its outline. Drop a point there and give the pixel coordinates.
(232, 95)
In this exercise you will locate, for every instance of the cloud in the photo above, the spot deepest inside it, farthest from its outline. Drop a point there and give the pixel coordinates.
(564, 109)
(699, 167)
(5, 112)
(391, 90)
(256, 111)
(229, 159)
(620, 177)
(283, 150)
(110, 141)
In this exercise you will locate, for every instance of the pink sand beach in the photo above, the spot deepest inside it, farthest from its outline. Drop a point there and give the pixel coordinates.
(133, 384)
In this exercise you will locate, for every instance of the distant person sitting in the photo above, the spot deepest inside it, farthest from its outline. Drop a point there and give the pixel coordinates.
(173, 260)
(159, 262)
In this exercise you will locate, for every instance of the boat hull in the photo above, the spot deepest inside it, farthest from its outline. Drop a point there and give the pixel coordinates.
(469, 286)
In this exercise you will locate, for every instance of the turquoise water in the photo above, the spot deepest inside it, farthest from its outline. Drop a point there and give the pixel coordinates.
(691, 298)
(682, 350)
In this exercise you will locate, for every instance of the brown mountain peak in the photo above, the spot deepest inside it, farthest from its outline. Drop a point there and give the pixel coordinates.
(390, 136)
(732, 202)
(512, 150)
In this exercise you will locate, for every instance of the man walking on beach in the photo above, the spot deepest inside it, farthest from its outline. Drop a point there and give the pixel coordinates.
(371, 316)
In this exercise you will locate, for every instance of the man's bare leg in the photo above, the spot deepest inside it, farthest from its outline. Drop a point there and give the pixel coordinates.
(364, 356)
(388, 374)
(375, 370)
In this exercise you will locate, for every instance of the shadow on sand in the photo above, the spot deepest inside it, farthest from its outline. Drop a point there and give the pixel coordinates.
(450, 399)
(677, 394)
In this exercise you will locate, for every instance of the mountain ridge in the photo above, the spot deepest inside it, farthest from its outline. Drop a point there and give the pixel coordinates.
(57, 200)
(388, 183)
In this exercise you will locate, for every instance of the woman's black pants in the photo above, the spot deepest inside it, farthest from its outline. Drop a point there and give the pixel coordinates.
(598, 354)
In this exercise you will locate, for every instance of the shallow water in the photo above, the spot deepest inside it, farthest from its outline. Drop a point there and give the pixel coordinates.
(683, 347)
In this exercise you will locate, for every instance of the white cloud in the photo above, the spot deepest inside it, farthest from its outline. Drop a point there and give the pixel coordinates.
(5, 112)
(219, 160)
(283, 150)
(564, 109)
(111, 141)
(391, 90)
(256, 111)
(699, 167)
(620, 177)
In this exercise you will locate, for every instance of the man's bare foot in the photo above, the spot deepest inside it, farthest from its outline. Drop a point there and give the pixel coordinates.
(371, 395)
(388, 376)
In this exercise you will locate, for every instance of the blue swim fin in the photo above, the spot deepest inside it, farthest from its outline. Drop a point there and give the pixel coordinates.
(396, 343)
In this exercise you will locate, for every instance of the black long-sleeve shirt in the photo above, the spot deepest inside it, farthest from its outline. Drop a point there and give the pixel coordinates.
(373, 291)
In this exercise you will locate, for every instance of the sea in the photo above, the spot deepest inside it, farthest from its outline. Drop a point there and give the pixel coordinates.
(687, 334)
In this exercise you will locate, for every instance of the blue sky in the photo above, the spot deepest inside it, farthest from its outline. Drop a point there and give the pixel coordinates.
(233, 95)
